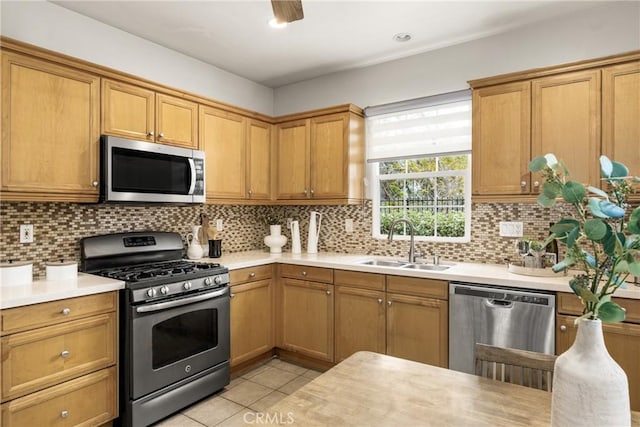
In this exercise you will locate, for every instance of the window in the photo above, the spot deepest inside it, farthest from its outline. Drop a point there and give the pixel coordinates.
(420, 166)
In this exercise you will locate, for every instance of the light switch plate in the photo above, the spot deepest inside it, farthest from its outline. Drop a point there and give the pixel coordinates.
(26, 233)
(219, 225)
(511, 229)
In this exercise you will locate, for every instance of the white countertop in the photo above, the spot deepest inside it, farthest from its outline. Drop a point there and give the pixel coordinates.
(488, 274)
(52, 290)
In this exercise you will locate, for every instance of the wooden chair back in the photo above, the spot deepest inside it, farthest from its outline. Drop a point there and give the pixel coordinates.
(526, 368)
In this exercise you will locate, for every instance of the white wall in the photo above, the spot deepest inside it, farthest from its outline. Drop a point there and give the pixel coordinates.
(52, 27)
(596, 32)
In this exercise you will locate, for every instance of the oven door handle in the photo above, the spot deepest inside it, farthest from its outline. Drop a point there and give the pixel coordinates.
(171, 304)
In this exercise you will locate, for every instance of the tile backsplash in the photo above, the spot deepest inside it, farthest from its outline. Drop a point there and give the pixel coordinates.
(58, 228)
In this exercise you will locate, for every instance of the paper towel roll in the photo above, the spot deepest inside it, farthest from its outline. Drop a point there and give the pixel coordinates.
(61, 270)
(16, 273)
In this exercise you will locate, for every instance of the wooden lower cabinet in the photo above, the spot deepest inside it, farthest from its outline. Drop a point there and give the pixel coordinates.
(251, 320)
(59, 362)
(89, 401)
(417, 329)
(359, 321)
(623, 343)
(306, 319)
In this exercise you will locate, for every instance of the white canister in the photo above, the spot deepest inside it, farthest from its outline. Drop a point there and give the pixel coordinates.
(16, 273)
(61, 270)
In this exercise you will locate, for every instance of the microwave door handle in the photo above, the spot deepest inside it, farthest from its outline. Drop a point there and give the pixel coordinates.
(192, 166)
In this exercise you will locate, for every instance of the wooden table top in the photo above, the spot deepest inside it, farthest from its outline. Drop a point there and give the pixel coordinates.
(370, 389)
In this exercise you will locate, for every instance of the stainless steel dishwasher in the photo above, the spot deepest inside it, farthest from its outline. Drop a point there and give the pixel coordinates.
(504, 317)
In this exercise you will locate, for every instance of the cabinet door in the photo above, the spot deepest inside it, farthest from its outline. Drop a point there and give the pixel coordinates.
(293, 160)
(127, 110)
(417, 329)
(251, 320)
(621, 115)
(329, 157)
(501, 130)
(623, 343)
(50, 131)
(360, 321)
(258, 160)
(176, 121)
(566, 122)
(307, 318)
(222, 137)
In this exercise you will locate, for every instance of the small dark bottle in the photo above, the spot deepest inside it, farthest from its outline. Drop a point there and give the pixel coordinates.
(552, 247)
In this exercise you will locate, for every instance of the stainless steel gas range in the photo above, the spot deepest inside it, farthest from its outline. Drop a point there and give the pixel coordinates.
(174, 322)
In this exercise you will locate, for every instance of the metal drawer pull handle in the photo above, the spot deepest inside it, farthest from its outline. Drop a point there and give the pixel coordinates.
(304, 273)
(64, 354)
(328, 292)
(563, 328)
(232, 295)
(523, 184)
(64, 414)
(66, 311)
(379, 300)
(389, 303)
(252, 274)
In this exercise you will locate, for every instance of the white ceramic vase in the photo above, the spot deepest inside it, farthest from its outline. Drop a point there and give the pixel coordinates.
(589, 387)
(275, 240)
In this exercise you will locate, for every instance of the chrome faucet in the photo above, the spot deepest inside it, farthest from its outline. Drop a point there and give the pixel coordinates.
(412, 247)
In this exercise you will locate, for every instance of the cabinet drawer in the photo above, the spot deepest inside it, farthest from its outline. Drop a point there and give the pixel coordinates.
(417, 286)
(359, 280)
(43, 357)
(49, 313)
(315, 274)
(88, 401)
(570, 304)
(250, 274)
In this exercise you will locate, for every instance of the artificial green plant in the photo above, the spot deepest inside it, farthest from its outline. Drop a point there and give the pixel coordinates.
(601, 243)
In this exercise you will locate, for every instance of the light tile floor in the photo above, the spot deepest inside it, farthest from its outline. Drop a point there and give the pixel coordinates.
(250, 393)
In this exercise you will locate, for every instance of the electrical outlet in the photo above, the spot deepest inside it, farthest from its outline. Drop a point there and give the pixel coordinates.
(26, 233)
(348, 225)
(219, 226)
(511, 229)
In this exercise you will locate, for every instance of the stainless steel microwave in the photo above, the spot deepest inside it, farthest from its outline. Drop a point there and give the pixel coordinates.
(138, 171)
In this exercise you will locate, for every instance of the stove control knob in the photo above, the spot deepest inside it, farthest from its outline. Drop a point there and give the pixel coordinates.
(151, 293)
(187, 286)
(217, 280)
(164, 290)
(208, 281)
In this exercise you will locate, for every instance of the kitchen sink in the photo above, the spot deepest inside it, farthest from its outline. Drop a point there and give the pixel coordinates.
(432, 267)
(382, 263)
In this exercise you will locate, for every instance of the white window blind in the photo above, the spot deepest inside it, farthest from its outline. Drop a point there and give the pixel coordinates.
(419, 128)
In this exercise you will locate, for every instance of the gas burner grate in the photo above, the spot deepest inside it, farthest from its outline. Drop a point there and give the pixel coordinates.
(138, 273)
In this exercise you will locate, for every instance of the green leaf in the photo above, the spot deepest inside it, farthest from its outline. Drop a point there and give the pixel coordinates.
(598, 191)
(594, 208)
(609, 244)
(611, 209)
(619, 170)
(573, 236)
(595, 229)
(573, 192)
(606, 166)
(634, 268)
(621, 267)
(565, 225)
(545, 201)
(563, 265)
(551, 189)
(538, 164)
(610, 312)
(634, 221)
(551, 159)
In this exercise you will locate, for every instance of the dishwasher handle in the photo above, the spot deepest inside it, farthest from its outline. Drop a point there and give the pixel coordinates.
(505, 295)
(499, 303)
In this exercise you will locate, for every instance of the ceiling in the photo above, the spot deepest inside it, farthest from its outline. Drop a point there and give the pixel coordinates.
(333, 36)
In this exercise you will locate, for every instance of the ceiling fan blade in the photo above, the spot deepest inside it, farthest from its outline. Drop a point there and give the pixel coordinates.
(287, 10)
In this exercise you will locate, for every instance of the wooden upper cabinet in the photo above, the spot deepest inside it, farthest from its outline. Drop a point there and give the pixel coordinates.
(566, 122)
(134, 112)
(222, 137)
(258, 160)
(50, 131)
(501, 139)
(293, 160)
(621, 115)
(128, 111)
(321, 158)
(176, 121)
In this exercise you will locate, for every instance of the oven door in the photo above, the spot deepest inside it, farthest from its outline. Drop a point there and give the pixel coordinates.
(174, 339)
